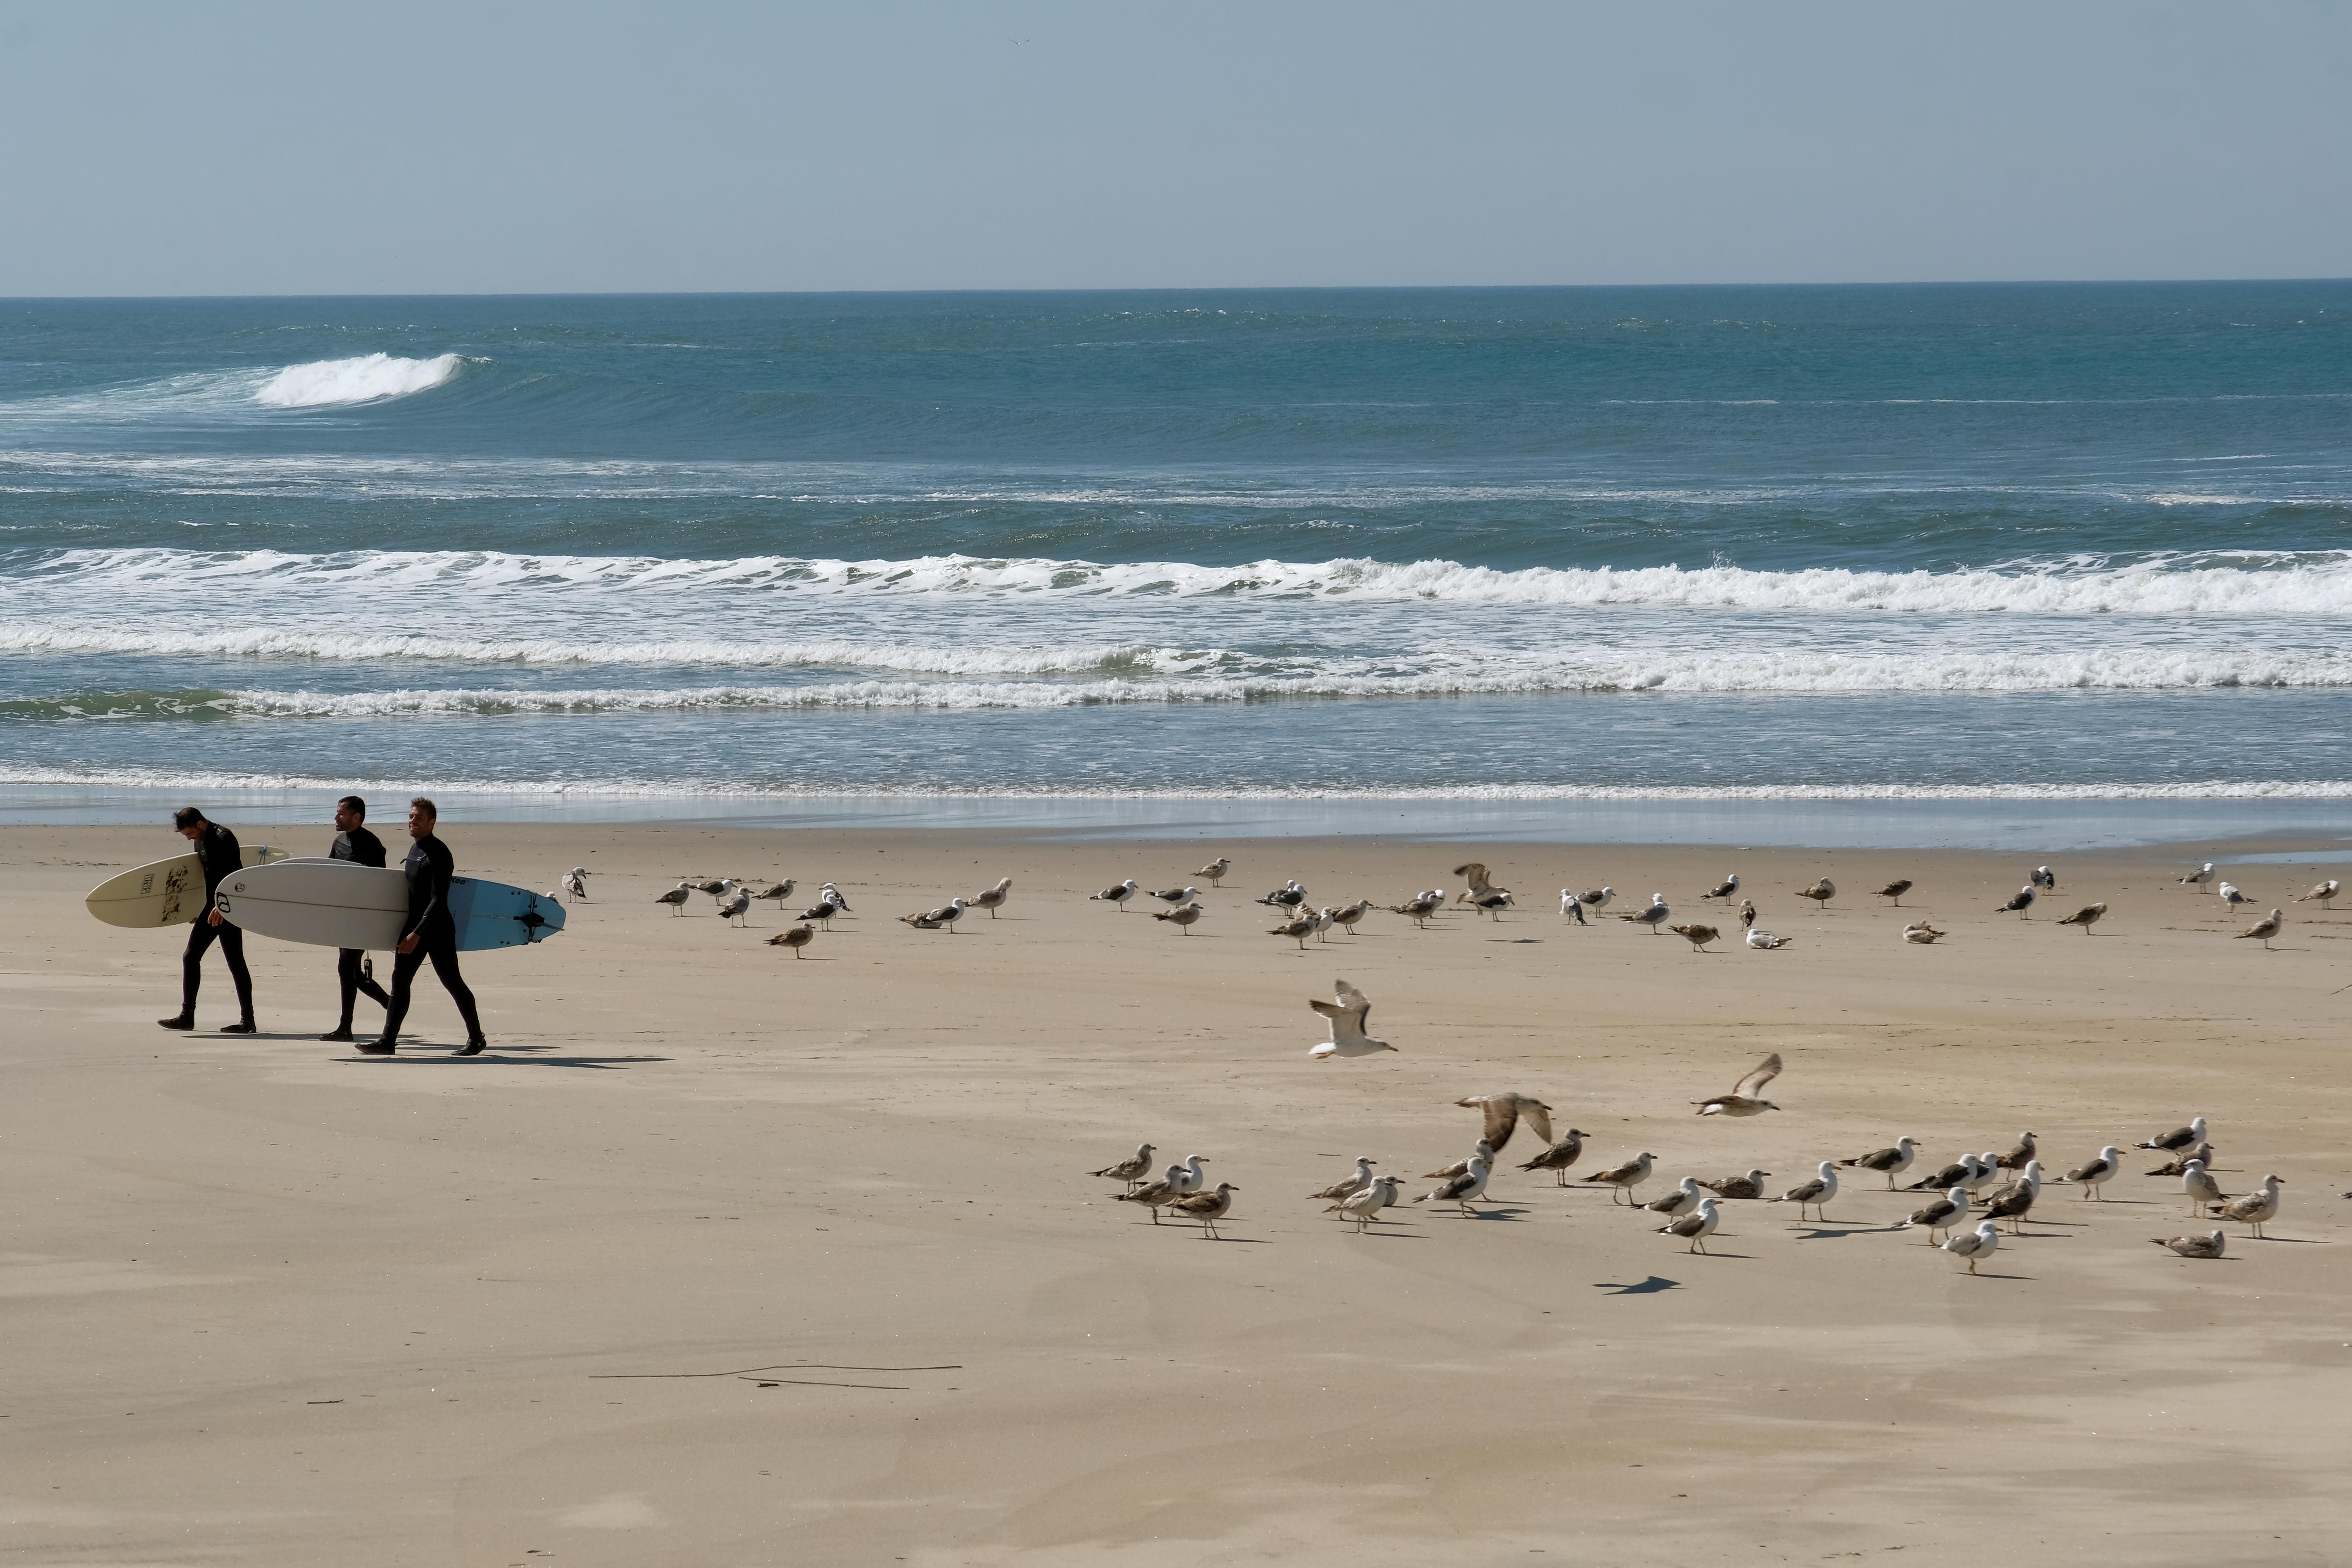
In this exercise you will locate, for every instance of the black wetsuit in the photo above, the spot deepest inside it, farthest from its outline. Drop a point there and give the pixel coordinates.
(217, 849)
(361, 848)
(429, 868)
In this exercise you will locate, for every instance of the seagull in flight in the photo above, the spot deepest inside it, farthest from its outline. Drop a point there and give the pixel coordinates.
(1347, 1015)
(1742, 1100)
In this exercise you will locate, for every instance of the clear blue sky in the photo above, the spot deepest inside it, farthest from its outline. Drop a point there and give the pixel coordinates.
(306, 148)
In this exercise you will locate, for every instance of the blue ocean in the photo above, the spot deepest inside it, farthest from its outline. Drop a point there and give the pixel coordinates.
(2028, 541)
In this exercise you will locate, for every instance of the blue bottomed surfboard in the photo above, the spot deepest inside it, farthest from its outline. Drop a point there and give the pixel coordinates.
(333, 903)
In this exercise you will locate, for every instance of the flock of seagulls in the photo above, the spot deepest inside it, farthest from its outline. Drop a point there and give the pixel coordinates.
(1966, 1201)
(1962, 1218)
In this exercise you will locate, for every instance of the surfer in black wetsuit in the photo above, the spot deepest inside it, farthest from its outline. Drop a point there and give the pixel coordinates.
(431, 932)
(354, 843)
(217, 851)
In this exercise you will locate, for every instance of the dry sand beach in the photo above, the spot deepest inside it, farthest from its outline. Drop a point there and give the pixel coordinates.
(266, 1303)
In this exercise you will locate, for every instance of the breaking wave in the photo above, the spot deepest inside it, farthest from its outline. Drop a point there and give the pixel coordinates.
(369, 378)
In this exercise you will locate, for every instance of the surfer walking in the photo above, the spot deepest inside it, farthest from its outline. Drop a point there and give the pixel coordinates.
(431, 932)
(355, 843)
(218, 854)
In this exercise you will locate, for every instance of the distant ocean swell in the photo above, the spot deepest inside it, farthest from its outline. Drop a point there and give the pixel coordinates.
(2202, 582)
(34, 775)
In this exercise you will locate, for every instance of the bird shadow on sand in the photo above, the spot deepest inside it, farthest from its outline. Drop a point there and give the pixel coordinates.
(1650, 1287)
(1814, 1231)
(1964, 1274)
(2288, 1240)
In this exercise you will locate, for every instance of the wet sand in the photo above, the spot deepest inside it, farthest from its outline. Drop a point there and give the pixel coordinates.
(268, 1302)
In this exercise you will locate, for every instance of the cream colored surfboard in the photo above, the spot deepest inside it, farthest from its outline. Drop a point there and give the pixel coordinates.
(167, 893)
(322, 903)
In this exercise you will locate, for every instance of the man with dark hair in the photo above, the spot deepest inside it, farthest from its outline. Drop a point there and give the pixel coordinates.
(354, 843)
(431, 932)
(217, 852)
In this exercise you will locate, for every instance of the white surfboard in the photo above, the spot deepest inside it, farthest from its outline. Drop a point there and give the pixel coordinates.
(322, 903)
(166, 893)
(333, 903)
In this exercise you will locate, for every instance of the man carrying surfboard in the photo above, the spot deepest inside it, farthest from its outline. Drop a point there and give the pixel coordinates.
(431, 932)
(217, 851)
(354, 843)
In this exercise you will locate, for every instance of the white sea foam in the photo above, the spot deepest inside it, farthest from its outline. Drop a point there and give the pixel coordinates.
(120, 778)
(366, 379)
(2202, 584)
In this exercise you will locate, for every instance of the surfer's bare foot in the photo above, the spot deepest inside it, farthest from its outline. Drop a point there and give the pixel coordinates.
(475, 1046)
(336, 1034)
(179, 1021)
(376, 1049)
(244, 1027)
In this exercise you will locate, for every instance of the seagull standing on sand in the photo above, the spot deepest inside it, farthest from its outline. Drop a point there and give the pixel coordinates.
(1821, 893)
(1956, 1173)
(1503, 1114)
(2086, 917)
(1683, 1200)
(2232, 895)
(1896, 889)
(796, 938)
(1152, 1194)
(2201, 1190)
(575, 882)
(1298, 930)
(2019, 902)
(1599, 899)
(1131, 1170)
(1889, 1163)
(777, 891)
(822, 911)
(1346, 919)
(2178, 1137)
(2013, 1202)
(1214, 871)
(1814, 1195)
(1183, 919)
(1462, 1190)
(2096, 1172)
(1175, 895)
(2044, 878)
(993, 899)
(833, 895)
(1694, 1228)
(1625, 1178)
(1572, 906)
(1364, 1207)
(2209, 1244)
(1289, 896)
(2199, 876)
(1653, 917)
(2255, 1209)
(1559, 1156)
(946, 915)
(1987, 1171)
(736, 905)
(676, 897)
(1116, 895)
(2023, 1149)
(1976, 1245)
(1747, 914)
(2321, 894)
(1725, 889)
(2265, 929)
(1699, 936)
(1742, 1100)
(1355, 1182)
(1418, 910)
(1943, 1213)
(1206, 1207)
(1347, 1014)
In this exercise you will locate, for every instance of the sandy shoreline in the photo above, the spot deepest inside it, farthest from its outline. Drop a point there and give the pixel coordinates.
(267, 1303)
